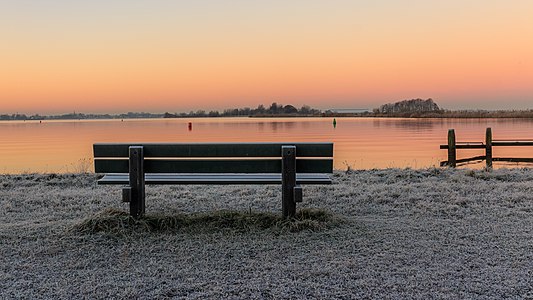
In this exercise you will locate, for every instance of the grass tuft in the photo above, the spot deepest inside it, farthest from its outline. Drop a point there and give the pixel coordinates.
(113, 221)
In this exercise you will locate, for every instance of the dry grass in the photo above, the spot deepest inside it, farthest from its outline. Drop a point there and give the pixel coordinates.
(117, 222)
(372, 234)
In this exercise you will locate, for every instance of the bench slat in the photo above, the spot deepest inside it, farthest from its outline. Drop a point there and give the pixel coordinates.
(213, 149)
(214, 166)
(215, 179)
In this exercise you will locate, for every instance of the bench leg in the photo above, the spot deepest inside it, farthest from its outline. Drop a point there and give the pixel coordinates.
(126, 194)
(136, 181)
(288, 180)
(298, 194)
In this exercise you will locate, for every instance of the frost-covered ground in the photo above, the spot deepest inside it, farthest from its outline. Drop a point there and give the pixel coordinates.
(401, 233)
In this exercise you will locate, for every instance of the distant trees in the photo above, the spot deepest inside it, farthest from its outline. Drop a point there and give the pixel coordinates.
(408, 106)
(14, 117)
(419, 108)
(287, 109)
(415, 108)
(273, 109)
(81, 116)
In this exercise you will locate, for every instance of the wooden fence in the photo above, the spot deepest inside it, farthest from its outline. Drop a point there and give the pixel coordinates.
(453, 145)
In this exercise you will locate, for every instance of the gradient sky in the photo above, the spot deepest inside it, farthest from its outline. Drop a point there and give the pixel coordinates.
(59, 56)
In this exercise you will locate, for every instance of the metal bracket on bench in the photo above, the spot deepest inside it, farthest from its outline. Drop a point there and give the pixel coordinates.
(126, 194)
(298, 193)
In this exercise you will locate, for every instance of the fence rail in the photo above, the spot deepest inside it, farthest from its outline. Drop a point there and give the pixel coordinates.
(453, 145)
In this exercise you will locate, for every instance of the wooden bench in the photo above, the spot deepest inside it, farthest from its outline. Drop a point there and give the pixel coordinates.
(287, 164)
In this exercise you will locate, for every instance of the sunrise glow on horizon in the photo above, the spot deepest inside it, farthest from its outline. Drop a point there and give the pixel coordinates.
(100, 56)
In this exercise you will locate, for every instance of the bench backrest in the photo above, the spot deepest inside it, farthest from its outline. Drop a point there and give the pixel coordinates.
(213, 157)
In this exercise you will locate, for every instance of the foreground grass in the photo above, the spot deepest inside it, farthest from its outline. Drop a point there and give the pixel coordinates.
(113, 221)
(404, 234)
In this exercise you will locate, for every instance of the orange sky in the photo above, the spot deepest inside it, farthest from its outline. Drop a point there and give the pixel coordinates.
(63, 56)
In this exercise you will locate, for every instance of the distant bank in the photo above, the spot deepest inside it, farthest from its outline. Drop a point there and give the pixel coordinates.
(414, 108)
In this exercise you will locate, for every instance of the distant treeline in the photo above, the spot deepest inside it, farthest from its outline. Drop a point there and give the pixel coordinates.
(274, 109)
(460, 114)
(280, 110)
(79, 116)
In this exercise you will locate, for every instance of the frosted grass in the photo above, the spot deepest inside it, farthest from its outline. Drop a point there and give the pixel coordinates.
(430, 233)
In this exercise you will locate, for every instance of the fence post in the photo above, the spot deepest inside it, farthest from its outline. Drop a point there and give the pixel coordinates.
(452, 156)
(488, 147)
(137, 181)
(288, 180)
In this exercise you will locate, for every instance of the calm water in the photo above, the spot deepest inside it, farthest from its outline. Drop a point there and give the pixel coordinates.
(361, 143)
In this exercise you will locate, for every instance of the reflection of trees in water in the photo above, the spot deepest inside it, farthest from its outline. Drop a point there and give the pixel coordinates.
(275, 126)
(512, 120)
(486, 121)
(408, 124)
(261, 126)
(430, 124)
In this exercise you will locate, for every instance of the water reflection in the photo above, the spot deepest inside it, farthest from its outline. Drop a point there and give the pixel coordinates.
(275, 126)
(407, 124)
(259, 124)
(361, 143)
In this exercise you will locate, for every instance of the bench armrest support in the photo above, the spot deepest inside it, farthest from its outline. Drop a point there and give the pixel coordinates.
(288, 180)
(136, 168)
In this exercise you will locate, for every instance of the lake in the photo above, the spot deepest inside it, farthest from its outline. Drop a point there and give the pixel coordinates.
(360, 143)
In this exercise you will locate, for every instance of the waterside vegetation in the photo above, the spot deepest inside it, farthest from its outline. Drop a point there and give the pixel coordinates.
(413, 108)
(273, 110)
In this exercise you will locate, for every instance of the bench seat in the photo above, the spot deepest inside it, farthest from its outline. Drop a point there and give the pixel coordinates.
(290, 165)
(218, 178)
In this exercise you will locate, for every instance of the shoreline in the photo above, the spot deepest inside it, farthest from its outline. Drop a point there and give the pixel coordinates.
(404, 233)
(443, 114)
